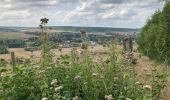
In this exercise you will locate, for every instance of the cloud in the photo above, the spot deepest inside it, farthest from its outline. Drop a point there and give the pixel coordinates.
(110, 13)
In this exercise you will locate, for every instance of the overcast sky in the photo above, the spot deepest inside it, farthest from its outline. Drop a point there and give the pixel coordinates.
(100, 13)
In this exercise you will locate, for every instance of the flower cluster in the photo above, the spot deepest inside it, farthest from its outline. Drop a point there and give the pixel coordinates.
(44, 98)
(109, 97)
(147, 87)
(137, 83)
(128, 99)
(95, 74)
(42, 71)
(78, 77)
(57, 89)
(54, 82)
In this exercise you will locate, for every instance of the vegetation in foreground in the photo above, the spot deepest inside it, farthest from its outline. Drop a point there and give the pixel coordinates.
(76, 76)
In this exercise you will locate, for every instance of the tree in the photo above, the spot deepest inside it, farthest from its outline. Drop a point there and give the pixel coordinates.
(154, 40)
(3, 47)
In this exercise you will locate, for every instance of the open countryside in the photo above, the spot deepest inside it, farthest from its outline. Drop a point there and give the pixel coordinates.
(84, 55)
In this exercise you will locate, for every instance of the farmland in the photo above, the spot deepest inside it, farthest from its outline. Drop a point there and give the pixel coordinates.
(21, 53)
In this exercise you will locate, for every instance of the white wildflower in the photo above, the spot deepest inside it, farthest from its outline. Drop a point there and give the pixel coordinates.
(137, 83)
(78, 77)
(147, 87)
(101, 76)
(49, 68)
(41, 72)
(95, 74)
(58, 88)
(128, 99)
(115, 78)
(44, 98)
(54, 81)
(109, 97)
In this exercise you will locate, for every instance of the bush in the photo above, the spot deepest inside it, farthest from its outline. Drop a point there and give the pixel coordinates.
(154, 40)
(3, 47)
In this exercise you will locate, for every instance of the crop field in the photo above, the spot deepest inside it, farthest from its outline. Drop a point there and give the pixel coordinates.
(21, 53)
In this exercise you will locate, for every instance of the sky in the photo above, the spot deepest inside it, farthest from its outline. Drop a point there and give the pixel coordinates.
(92, 13)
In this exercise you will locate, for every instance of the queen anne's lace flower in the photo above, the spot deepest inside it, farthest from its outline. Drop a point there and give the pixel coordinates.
(137, 83)
(54, 81)
(128, 99)
(147, 87)
(109, 97)
(58, 88)
(95, 74)
(78, 77)
(44, 98)
(41, 72)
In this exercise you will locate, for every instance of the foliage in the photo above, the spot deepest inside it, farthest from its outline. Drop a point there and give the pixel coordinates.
(74, 76)
(3, 47)
(154, 40)
(3, 63)
(15, 43)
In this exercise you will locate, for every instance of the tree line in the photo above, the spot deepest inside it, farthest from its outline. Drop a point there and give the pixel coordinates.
(154, 40)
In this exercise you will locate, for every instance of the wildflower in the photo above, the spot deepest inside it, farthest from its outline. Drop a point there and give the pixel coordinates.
(95, 74)
(41, 72)
(54, 81)
(75, 98)
(115, 78)
(128, 99)
(137, 83)
(44, 98)
(147, 87)
(101, 76)
(109, 97)
(78, 77)
(49, 68)
(58, 88)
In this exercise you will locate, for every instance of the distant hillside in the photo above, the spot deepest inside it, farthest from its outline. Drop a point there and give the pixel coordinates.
(94, 29)
(72, 29)
(22, 32)
(14, 29)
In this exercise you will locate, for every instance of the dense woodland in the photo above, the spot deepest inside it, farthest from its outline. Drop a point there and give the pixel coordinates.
(154, 40)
